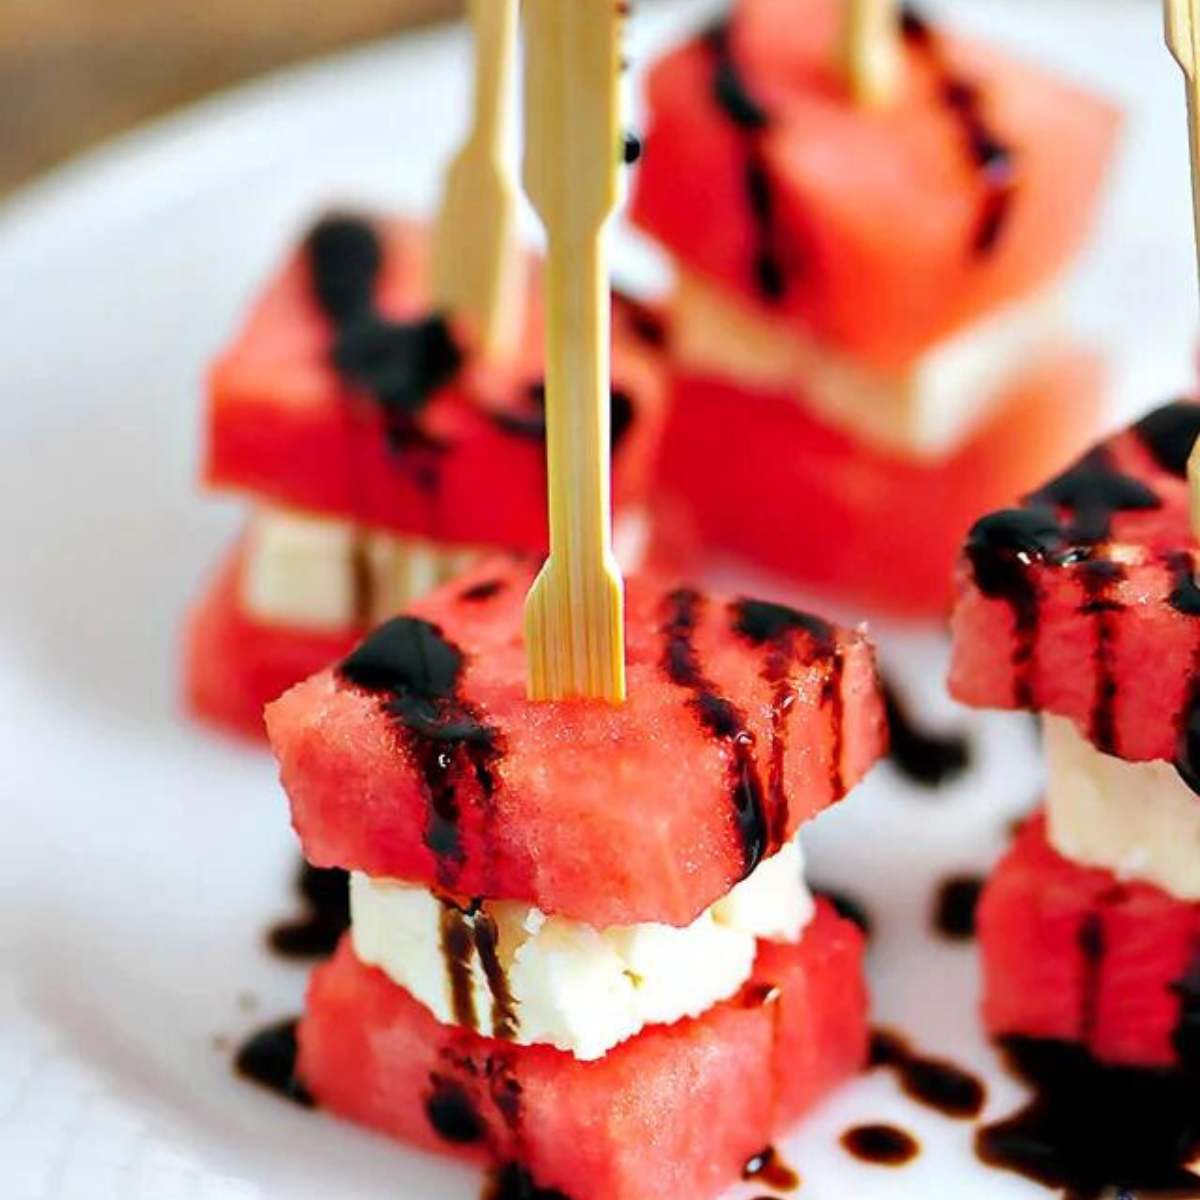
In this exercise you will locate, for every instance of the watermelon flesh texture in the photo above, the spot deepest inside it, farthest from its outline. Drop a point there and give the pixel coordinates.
(879, 529)
(673, 1113)
(284, 425)
(1081, 603)
(537, 802)
(1072, 953)
(884, 229)
(235, 663)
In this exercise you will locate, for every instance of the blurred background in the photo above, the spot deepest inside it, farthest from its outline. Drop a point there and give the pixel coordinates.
(74, 72)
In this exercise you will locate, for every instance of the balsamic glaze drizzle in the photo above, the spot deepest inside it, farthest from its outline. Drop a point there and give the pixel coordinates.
(927, 759)
(955, 905)
(326, 895)
(934, 1082)
(417, 672)
(767, 1167)
(733, 97)
(513, 1182)
(778, 628)
(1169, 433)
(531, 424)
(881, 1145)
(477, 593)
(682, 610)
(1090, 1127)
(452, 1113)
(268, 1058)
(1061, 524)
(848, 906)
(400, 365)
(992, 157)
(458, 948)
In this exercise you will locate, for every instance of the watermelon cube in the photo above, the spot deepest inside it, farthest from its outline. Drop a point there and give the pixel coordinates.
(1071, 953)
(1081, 601)
(235, 662)
(879, 230)
(343, 396)
(875, 526)
(674, 1113)
(419, 756)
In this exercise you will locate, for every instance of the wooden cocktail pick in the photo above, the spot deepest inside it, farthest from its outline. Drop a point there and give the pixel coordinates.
(574, 614)
(871, 49)
(476, 257)
(1183, 32)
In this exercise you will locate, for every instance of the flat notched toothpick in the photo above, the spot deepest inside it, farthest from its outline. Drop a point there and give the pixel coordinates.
(871, 50)
(1183, 32)
(574, 614)
(476, 258)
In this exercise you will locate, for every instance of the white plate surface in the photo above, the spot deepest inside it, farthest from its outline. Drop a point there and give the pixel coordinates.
(140, 858)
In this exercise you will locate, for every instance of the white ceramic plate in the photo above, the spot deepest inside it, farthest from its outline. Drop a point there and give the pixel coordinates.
(141, 858)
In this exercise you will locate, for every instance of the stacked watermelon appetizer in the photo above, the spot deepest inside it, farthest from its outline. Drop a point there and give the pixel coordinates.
(581, 949)
(381, 454)
(865, 297)
(1082, 605)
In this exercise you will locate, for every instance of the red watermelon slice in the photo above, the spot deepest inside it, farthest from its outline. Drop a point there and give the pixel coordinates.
(674, 1113)
(1072, 954)
(419, 757)
(880, 230)
(344, 396)
(763, 478)
(1081, 602)
(236, 663)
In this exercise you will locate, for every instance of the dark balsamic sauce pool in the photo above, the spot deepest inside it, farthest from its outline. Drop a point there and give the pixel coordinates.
(881, 1145)
(1091, 1128)
(847, 905)
(933, 1082)
(268, 1058)
(954, 907)
(325, 894)
(927, 759)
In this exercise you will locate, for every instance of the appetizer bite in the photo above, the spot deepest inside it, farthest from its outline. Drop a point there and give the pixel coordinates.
(383, 409)
(581, 950)
(382, 454)
(865, 325)
(581, 947)
(1082, 605)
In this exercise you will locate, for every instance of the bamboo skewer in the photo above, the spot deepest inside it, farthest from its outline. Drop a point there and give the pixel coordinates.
(1183, 39)
(871, 50)
(476, 257)
(574, 614)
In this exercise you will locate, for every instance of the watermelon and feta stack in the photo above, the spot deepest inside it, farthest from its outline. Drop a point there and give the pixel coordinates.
(867, 296)
(579, 930)
(381, 455)
(1082, 604)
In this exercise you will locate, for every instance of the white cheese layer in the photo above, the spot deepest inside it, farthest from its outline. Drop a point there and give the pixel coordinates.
(324, 574)
(924, 411)
(1138, 820)
(571, 985)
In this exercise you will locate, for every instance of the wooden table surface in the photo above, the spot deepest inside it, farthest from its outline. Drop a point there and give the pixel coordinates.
(74, 72)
